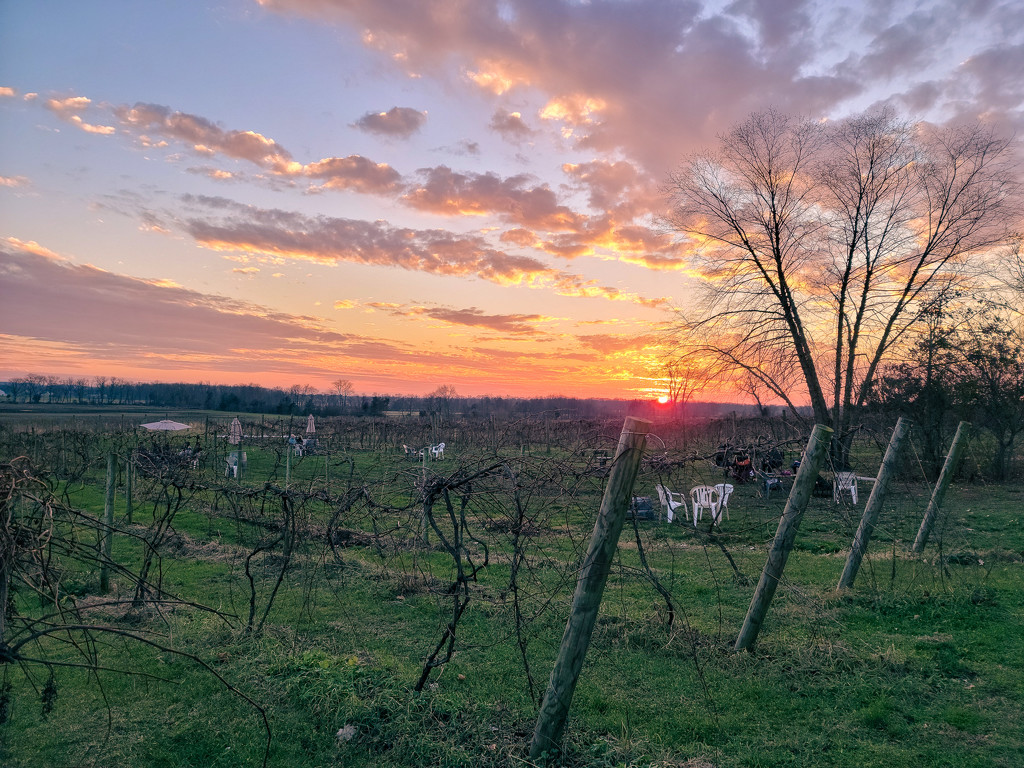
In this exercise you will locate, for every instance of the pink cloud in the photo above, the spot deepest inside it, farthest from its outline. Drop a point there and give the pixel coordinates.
(446, 192)
(204, 136)
(353, 172)
(51, 299)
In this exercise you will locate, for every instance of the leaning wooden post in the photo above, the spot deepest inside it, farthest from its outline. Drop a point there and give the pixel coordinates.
(799, 497)
(107, 532)
(956, 451)
(874, 505)
(585, 602)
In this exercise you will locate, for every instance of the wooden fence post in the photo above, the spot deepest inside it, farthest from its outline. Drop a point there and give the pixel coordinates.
(956, 451)
(107, 532)
(874, 505)
(799, 497)
(129, 490)
(554, 710)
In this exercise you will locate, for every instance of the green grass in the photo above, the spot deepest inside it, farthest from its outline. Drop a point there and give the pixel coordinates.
(922, 663)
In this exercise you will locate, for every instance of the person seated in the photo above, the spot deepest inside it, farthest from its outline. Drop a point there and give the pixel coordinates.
(742, 469)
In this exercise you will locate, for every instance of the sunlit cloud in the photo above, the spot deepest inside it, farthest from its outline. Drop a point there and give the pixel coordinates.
(32, 247)
(574, 110)
(68, 109)
(217, 174)
(13, 181)
(6, 90)
(353, 172)
(495, 77)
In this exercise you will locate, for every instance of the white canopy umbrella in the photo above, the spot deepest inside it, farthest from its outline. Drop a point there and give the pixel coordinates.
(166, 425)
(310, 426)
(235, 435)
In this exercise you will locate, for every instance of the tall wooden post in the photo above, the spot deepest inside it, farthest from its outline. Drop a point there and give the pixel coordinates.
(129, 480)
(874, 505)
(426, 508)
(547, 735)
(799, 497)
(107, 532)
(956, 452)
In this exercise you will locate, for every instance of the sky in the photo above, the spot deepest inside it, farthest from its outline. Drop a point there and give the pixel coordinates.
(410, 194)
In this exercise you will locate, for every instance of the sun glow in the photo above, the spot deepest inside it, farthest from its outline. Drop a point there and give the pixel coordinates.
(663, 399)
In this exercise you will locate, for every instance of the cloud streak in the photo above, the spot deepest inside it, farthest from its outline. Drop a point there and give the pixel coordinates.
(229, 226)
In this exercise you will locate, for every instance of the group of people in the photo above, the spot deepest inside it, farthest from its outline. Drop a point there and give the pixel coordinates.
(301, 444)
(739, 464)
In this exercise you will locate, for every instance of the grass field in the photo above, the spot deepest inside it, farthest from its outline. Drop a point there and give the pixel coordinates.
(921, 664)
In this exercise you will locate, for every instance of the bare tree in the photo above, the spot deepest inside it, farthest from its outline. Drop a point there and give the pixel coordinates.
(686, 375)
(343, 388)
(821, 243)
(442, 398)
(990, 383)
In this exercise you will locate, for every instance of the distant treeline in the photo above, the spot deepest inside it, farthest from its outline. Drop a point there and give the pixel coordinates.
(252, 398)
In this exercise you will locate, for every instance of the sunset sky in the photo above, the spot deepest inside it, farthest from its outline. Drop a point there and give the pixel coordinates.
(410, 194)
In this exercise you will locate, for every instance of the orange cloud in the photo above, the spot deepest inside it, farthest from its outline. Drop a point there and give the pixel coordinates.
(31, 246)
(67, 109)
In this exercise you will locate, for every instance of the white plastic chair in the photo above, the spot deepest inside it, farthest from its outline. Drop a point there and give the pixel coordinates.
(437, 451)
(845, 481)
(724, 492)
(670, 502)
(704, 497)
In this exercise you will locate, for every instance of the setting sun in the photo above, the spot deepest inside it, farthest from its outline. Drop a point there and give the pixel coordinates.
(663, 399)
